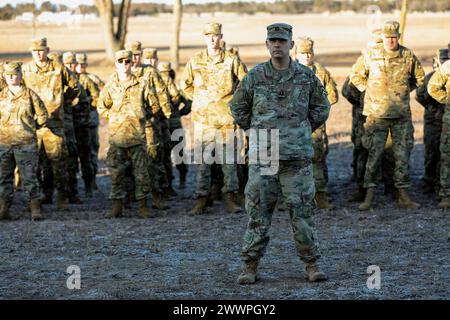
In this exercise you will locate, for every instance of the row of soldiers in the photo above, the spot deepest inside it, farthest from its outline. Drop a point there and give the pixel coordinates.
(61, 96)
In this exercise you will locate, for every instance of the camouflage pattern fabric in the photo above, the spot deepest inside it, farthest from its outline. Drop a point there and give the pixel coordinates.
(295, 102)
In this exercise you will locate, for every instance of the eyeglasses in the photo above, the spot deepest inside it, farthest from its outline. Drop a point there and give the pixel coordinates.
(126, 61)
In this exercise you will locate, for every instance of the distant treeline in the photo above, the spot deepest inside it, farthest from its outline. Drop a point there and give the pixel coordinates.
(279, 7)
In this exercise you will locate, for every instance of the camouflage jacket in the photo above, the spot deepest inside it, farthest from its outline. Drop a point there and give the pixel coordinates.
(177, 100)
(327, 81)
(153, 77)
(423, 97)
(94, 120)
(388, 78)
(295, 103)
(20, 115)
(92, 91)
(129, 108)
(49, 83)
(439, 84)
(210, 82)
(98, 82)
(352, 94)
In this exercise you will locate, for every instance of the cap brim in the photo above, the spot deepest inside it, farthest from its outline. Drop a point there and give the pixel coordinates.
(38, 48)
(278, 36)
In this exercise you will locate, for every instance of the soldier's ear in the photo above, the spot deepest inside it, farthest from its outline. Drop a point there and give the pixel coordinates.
(292, 44)
(267, 44)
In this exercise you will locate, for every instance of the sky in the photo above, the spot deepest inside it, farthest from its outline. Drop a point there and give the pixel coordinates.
(73, 3)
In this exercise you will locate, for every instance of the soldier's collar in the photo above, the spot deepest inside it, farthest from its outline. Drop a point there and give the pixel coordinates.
(17, 94)
(215, 59)
(270, 71)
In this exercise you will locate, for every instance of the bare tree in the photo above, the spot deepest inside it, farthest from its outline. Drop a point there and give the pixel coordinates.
(175, 48)
(403, 20)
(114, 36)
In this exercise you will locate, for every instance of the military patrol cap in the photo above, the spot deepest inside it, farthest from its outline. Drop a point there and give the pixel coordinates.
(12, 68)
(55, 55)
(123, 54)
(68, 57)
(149, 53)
(443, 55)
(164, 66)
(279, 31)
(212, 28)
(135, 47)
(391, 29)
(81, 58)
(305, 45)
(38, 44)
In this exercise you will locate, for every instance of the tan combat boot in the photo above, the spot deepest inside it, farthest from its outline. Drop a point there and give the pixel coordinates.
(322, 201)
(405, 202)
(116, 210)
(444, 203)
(230, 206)
(250, 273)
(367, 204)
(313, 273)
(35, 207)
(143, 209)
(199, 206)
(61, 202)
(158, 201)
(4, 210)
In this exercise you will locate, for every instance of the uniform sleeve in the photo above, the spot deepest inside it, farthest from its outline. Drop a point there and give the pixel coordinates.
(154, 109)
(187, 84)
(104, 103)
(436, 87)
(350, 92)
(39, 110)
(162, 94)
(331, 88)
(319, 106)
(72, 87)
(418, 74)
(174, 93)
(360, 74)
(242, 102)
(422, 95)
(240, 69)
(93, 92)
(82, 108)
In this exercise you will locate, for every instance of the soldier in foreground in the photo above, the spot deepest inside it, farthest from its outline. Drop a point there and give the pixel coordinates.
(304, 53)
(53, 83)
(210, 79)
(287, 96)
(439, 89)
(21, 111)
(130, 105)
(388, 80)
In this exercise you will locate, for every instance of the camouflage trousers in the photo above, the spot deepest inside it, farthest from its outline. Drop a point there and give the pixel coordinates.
(72, 160)
(296, 181)
(52, 150)
(376, 133)
(182, 167)
(26, 159)
(118, 160)
(84, 153)
(359, 152)
(203, 178)
(319, 161)
(432, 129)
(444, 147)
(94, 146)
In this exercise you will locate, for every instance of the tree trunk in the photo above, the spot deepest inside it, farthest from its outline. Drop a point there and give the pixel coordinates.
(175, 48)
(403, 20)
(114, 37)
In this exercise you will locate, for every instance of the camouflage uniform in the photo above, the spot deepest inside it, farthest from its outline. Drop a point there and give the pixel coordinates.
(432, 128)
(76, 120)
(20, 114)
(388, 78)
(130, 107)
(439, 89)
(94, 122)
(177, 99)
(294, 102)
(319, 136)
(210, 82)
(53, 83)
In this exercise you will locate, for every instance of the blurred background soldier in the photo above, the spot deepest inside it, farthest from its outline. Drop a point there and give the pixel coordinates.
(94, 122)
(53, 83)
(21, 111)
(304, 53)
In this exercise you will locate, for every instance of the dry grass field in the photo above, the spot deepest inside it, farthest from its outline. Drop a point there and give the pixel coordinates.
(155, 259)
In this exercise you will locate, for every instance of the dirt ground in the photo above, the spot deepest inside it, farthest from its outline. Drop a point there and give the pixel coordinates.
(177, 256)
